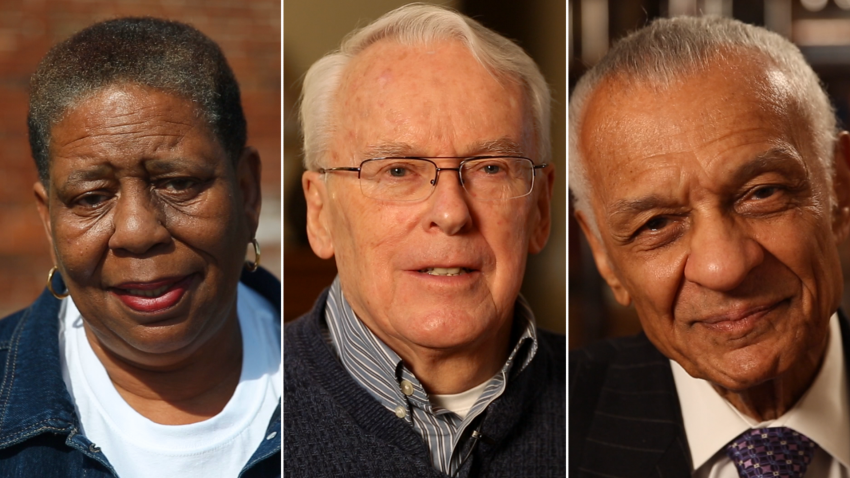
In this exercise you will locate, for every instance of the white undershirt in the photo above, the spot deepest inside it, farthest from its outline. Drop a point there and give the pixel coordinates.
(219, 446)
(822, 414)
(459, 403)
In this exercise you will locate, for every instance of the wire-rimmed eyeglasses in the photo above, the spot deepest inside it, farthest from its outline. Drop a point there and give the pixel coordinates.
(405, 178)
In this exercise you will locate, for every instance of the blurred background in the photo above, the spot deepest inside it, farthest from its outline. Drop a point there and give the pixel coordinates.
(313, 28)
(821, 28)
(247, 30)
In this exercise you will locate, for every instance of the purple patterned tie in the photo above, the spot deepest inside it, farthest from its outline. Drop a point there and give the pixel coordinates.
(771, 452)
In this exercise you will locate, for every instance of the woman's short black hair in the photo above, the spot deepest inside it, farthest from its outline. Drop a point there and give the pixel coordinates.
(162, 54)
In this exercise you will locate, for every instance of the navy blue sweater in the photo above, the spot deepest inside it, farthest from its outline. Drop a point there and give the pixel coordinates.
(333, 427)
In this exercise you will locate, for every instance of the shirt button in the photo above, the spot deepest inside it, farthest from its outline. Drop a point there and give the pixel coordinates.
(399, 412)
(406, 388)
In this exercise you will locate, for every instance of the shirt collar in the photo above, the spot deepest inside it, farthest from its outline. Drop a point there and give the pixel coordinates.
(821, 414)
(378, 369)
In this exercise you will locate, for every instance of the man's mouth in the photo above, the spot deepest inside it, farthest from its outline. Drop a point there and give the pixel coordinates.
(445, 271)
(741, 321)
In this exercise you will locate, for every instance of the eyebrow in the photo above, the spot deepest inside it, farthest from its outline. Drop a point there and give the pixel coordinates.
(389, 149)
(91, 174)
(503, 146)
(634, 206)
(782, 159)
(165, 166)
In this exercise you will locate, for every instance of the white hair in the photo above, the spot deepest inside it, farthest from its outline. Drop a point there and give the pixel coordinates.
(671, 48)
(410, 25)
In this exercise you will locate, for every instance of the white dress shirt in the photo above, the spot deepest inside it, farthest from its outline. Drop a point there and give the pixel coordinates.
(822, 414)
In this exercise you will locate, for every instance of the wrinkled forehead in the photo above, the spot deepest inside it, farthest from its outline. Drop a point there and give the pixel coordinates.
(438, 84)
(630, 125)
(390, 60)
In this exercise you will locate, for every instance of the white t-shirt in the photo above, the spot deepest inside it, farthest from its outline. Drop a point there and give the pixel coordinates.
(459, 403)
(138, 447)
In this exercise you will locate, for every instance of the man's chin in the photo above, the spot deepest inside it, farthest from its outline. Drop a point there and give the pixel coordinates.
(741, 372)
(446, 330)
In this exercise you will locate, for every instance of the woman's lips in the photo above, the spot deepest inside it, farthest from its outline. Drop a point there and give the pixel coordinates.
(152, 296)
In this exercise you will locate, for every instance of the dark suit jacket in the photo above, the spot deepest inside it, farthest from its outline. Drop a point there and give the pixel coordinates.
(625, 417)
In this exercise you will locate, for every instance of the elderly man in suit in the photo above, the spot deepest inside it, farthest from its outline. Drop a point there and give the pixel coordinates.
(712, 186)
(426, 143)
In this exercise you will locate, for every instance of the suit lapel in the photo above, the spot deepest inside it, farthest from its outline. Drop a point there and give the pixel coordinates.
(637, 418)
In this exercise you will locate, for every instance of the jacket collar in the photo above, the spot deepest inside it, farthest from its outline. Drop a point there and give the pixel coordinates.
(33, 397)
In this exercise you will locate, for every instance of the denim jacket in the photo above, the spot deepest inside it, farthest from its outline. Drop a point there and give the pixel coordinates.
(39, 428)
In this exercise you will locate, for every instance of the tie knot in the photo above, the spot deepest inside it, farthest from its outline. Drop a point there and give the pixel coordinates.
(771, 452)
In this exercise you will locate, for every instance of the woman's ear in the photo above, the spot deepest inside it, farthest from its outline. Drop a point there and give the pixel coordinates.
(248, 170)
(42, 203)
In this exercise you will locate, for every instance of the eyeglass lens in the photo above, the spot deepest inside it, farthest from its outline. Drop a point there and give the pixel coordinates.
(415, 179)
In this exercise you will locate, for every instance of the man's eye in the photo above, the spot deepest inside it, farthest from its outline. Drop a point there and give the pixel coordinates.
(491, 169)
(656, 223)
(765, 192)
(398, 172)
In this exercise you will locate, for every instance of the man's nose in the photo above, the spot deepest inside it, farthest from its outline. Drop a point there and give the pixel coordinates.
(137, 223)
(722, 254)
(449, 210)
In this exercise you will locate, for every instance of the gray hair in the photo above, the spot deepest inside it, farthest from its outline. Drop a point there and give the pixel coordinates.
(670, 48)
(416, 24)
(161, 54)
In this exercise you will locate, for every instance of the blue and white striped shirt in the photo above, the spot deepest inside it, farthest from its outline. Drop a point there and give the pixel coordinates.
(379, 370)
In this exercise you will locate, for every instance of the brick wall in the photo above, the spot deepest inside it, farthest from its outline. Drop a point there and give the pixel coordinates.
(247, 30)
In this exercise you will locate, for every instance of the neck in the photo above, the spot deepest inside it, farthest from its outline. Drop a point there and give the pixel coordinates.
(773, 398)
(192, 390)
(455, 373)
(456, 370)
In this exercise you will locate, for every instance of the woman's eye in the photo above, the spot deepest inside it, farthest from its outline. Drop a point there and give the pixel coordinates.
(92, 200)
(179, 185)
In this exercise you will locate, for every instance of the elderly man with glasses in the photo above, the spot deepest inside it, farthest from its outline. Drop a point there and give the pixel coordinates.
(426, 141)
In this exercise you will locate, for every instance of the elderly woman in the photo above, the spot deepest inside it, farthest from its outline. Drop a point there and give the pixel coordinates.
(146, 355)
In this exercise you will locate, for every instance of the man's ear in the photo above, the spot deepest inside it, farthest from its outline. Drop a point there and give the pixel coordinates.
(41, 203)
(318, 229)
(248, 172)
(841, 187)
(600, 256)
(540, 234)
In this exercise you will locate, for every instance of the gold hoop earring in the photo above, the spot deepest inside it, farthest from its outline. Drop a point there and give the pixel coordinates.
(252, 266)
(50, 285)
